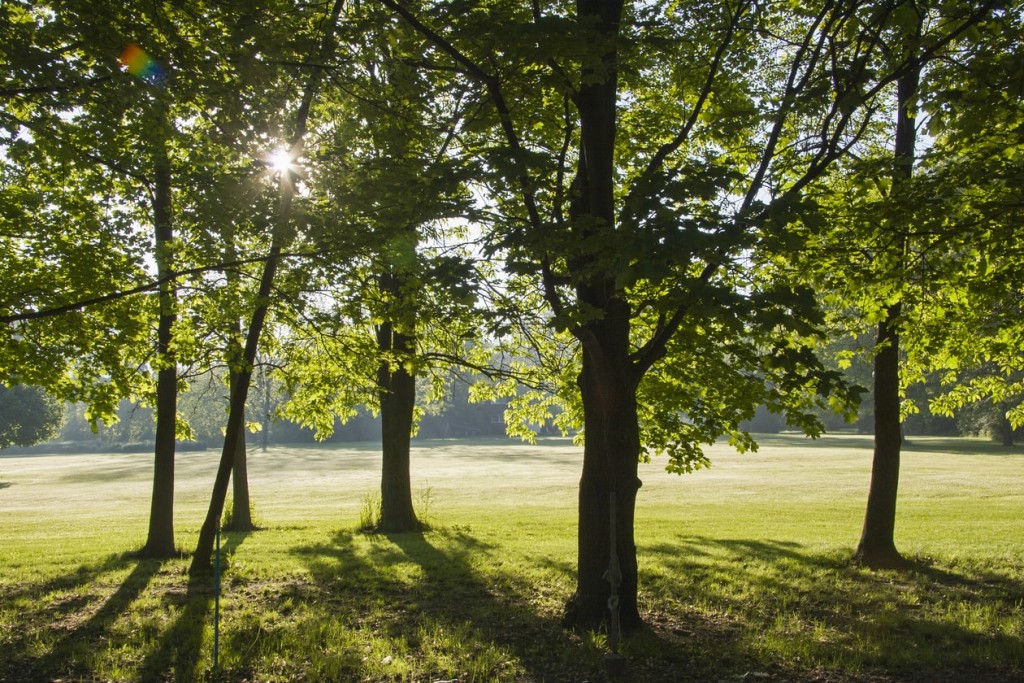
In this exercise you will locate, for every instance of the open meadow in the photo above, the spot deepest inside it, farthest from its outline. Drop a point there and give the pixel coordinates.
(744, 569)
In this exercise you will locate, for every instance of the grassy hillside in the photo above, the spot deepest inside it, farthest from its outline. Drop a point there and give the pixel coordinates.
(743, 569)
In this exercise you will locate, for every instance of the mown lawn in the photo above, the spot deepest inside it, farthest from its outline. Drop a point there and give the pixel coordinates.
(744, 572)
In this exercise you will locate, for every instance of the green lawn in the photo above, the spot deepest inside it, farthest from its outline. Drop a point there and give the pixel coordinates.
(744, 572)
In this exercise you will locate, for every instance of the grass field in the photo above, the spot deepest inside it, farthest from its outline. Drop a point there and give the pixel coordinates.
(744, 572)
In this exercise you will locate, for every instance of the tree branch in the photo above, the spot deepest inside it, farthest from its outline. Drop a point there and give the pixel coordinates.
(145, 287)
(716, 63)
(493, 87)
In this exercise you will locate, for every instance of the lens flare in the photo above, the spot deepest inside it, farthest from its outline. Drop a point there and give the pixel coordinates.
(141, 65)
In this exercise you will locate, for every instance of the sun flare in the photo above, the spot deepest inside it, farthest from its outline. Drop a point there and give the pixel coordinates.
(280, 161)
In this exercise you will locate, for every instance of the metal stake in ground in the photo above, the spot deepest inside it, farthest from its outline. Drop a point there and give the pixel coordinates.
(216, 601)
(614, 662)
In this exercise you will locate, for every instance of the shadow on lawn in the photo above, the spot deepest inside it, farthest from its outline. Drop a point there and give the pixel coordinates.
(179, 648)
(461, 588)
(414, 589)
(913, 444)
(73, 580)
(176, 655)
(74, 638)
(789, 604)
(450, 607)
(452, 618)
(959, 446)
(74, 621)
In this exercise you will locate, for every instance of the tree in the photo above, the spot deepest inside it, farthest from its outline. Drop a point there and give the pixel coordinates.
(645, 160)
(170, 133)
(287, 178)
(387, 174)
(890, 250)
(28, 415)
(83, 120)
(877, 547)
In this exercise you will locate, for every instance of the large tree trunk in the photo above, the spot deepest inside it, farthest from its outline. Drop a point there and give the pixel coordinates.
(877, 547)
(608, 380)
(397, 388)
(160, 541)
(608, 385)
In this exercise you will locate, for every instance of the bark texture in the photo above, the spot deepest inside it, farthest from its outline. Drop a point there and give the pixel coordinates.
(877, 547)
(160, 539)
(608, 384)
(241, 508)
(609, 379)
(397, 388)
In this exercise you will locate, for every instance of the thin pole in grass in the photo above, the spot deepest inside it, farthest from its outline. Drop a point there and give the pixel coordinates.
(613, 661)
(216, 601)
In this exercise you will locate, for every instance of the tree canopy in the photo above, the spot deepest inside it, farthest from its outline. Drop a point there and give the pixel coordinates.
(642, 208)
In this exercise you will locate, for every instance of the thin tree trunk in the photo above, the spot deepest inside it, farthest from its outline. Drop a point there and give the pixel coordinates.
(877, 546)
(236, 413)
(397, 388)
(241, 509)
(265, 417)
(241, 517)
(160, 540)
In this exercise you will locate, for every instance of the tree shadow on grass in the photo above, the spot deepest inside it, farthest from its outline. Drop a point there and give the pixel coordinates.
(439, 606)
(76, 638)
(498, 606)
(959, 446)
(794, 608)
(913, 444)
(178, 652)
(176, 655)
(80, 576)
(460, 615)
(825, 442)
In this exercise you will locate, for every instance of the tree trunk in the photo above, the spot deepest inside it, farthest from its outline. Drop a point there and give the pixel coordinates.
(235, 431)
(160, 541)
(265, 411)
(397, 388)
(236, 411)
(608, 386)
(1004, 428)
(877, 547)
(608, 380)
(241, 517)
